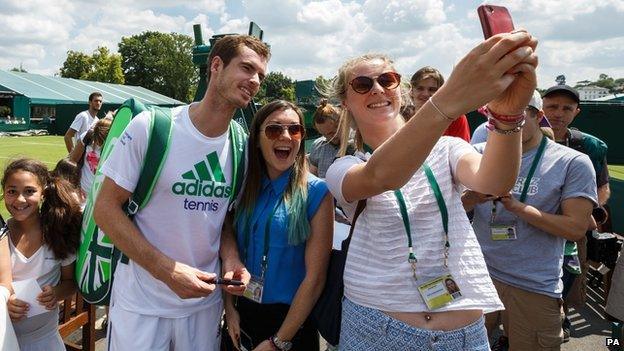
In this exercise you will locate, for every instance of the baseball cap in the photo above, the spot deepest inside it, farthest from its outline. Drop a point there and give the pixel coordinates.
(536, 101)
(568, 90)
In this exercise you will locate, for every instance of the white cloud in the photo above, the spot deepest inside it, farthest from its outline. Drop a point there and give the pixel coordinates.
(403, 15)
(577, 38)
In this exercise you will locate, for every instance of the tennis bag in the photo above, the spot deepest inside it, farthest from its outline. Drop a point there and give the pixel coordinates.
(97, 257)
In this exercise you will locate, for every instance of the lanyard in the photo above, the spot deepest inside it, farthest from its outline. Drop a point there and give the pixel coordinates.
(267, 236)
(536, 160)
(527, 181)
(406, 224)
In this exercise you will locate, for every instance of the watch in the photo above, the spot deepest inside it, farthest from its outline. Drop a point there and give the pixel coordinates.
(282, 345)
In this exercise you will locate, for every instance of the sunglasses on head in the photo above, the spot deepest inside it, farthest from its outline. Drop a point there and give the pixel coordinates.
(274, 131)
(363, 84)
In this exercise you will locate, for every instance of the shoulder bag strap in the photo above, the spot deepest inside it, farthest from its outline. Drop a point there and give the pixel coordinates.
(358, 210)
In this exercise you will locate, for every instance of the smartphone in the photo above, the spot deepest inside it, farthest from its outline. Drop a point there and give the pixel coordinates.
(223, 281)
(494, 19)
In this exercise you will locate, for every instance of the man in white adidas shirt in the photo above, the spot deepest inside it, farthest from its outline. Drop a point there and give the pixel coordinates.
(164, 298)
(84, 120)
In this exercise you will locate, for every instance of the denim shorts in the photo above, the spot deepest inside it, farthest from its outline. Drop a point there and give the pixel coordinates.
(366, 328)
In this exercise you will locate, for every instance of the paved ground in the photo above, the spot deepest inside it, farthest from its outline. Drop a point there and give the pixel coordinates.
(589, 328)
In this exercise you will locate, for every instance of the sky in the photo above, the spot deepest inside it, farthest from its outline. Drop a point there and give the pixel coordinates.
(578, 38)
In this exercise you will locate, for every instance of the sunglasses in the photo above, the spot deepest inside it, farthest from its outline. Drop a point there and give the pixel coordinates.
(274, 131)
(363, 84)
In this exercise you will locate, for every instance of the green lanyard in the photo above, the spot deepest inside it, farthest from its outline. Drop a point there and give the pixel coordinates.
(267, 237)
(527, 181)
(536, 160)
(443, 213)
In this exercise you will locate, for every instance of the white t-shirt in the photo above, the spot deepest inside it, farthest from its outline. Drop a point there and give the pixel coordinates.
(82, 123)
(377, 273)
(46, 268)
(184, 216)
(91, 159)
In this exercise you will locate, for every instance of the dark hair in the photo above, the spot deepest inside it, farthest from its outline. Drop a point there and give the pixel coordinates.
(94, 94)
(228, 47)
(68, 170)
(61, 217)
(427, 72)
(296, 192)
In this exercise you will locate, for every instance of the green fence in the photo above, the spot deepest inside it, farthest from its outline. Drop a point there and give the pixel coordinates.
(603, 120)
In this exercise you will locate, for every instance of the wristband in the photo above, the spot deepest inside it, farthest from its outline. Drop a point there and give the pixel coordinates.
(507, 119)
(440, 111)
(491, 126)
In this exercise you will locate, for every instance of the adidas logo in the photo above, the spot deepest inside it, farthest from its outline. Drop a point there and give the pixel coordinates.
(204, 179)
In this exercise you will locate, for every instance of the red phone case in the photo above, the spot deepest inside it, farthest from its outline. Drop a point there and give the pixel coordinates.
(494, 19)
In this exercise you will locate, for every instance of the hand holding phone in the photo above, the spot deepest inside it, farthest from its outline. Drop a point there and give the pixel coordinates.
(223, 281)
(494, 20)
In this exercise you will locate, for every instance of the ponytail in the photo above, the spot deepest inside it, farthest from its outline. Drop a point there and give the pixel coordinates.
(61, 218)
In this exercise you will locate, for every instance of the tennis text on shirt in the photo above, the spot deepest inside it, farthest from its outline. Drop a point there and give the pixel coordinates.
(205, 180)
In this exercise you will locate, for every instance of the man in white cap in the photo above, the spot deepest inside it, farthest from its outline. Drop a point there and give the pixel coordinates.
(552, 201)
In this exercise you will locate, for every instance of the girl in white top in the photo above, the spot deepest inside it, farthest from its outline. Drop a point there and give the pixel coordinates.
(43, 234)
(385, 276)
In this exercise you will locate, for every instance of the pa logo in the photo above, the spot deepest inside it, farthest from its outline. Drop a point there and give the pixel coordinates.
(609, 341)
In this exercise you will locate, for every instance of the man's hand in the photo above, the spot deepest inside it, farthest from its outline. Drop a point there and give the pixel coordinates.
(471, 198)
(47, 298)
(17, 308)
(512, 204)
(188, 282)
(234, 269)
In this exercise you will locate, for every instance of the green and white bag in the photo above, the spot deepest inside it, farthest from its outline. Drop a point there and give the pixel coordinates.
(97, 257)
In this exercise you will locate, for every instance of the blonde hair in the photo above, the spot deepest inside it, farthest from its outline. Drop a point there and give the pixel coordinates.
(338, 91)
(325, 110)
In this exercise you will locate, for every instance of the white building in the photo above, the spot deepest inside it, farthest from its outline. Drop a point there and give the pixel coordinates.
(592, 92)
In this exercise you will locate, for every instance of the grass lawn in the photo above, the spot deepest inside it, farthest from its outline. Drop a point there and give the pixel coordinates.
(48, 149)
(616, 171)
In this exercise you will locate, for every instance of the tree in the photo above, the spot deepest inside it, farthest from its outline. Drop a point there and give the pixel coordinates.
(160, 62)
(106, 67)
(19, 69)
(605, 81)
(276, 85)
(101, 66)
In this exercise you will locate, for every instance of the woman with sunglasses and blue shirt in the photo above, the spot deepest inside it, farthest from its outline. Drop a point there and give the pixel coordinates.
(413, 234)
(284, 226)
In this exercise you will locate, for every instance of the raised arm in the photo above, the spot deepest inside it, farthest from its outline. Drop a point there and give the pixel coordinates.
(185, 281)
(500, 70)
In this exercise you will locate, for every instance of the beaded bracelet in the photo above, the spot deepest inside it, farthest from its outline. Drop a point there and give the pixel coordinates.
(491, 126)
(507, 119)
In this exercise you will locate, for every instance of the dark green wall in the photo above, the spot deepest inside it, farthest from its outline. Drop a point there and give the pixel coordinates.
(65, 114)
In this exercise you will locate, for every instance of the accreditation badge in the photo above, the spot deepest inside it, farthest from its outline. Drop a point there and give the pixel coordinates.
(440, 291)
(503, 231)
(254, 289)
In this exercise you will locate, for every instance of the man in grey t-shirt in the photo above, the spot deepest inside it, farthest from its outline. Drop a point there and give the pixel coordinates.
(526, 266)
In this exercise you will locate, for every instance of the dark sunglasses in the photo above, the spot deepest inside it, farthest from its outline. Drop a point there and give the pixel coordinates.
(363, 84)
(274, 131)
